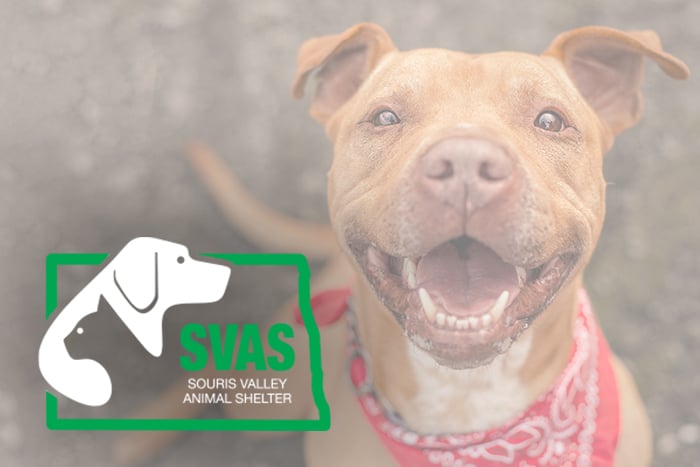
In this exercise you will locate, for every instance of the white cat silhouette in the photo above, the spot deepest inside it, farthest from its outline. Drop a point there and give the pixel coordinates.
(140, 283)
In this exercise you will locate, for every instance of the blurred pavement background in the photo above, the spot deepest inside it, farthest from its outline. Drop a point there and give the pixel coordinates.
(99, 98)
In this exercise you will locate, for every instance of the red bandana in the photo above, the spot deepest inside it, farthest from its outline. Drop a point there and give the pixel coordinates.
(575, 423)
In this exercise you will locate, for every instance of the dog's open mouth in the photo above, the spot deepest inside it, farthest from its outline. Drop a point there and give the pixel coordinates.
(460, 301)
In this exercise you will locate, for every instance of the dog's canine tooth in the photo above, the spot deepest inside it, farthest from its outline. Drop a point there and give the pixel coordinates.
(428, 306)
(440, 318)
(409, 272)
(499, 305)
(522, 275)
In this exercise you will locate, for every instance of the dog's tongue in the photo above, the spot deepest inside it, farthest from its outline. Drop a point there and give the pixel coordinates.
(465, 279)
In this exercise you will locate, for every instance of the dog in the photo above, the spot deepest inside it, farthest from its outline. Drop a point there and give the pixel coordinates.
(466, 196)
(141, 282)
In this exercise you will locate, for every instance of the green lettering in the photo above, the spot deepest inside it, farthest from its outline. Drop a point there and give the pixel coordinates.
(275, 335)
(223, 354)
(198, 360)
(250, 349)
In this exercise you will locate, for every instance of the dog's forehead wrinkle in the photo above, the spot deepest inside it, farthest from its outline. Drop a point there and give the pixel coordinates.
(412, 72)
(409, 71)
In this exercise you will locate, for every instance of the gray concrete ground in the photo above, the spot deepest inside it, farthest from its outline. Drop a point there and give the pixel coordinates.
(98, 99)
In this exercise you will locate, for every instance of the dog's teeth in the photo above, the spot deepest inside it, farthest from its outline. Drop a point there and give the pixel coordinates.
(440, 318)
(499, 306)
(428, 305)
(522, 275)
(473, 323)
(409, 272)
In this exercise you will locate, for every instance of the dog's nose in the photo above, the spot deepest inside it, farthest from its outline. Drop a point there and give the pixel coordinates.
(466, 172)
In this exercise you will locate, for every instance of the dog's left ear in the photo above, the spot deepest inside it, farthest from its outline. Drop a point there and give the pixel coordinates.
(605, 64)
(341, 62)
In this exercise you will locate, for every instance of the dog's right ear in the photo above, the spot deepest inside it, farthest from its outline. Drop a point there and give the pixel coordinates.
(606, 66)
(341, 62)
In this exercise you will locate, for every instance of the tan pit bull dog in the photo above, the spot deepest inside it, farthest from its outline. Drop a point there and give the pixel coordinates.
(467, 193)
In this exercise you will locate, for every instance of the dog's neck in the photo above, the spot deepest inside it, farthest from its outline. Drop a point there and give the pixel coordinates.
(435, 399)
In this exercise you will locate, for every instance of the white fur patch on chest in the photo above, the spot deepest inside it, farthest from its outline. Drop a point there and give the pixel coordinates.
(458, 401)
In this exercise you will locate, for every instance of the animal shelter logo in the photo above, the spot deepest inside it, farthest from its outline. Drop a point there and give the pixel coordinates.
(139, 285)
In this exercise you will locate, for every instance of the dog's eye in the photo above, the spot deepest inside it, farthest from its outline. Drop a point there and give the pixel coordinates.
(385, 118)
(180, 259)
(550, 121)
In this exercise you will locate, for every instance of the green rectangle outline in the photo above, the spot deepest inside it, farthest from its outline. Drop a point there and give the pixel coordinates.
(323, 423)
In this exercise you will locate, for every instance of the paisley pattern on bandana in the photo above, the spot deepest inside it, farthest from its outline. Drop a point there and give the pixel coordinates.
(574, 423)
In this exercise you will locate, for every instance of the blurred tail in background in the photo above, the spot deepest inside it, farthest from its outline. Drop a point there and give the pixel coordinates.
(266, 228)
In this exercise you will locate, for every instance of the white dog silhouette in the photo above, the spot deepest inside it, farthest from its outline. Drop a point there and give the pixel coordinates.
(140, 283)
